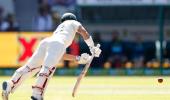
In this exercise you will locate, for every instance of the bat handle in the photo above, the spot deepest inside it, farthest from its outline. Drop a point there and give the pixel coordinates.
(98, 45)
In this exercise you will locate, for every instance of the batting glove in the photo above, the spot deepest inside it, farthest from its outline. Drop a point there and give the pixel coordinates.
(83, 59)
(96, 50)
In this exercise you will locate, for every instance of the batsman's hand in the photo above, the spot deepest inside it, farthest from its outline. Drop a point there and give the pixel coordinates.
(96, 50)
(84, 58)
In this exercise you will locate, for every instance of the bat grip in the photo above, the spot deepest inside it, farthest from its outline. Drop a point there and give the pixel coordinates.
(98, 46)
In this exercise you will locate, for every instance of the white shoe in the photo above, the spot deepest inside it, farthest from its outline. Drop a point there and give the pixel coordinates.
(5, 90)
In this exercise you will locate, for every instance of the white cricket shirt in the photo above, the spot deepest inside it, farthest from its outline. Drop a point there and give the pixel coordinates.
(66, 31)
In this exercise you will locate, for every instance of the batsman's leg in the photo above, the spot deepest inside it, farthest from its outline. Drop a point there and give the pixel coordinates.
(54, 54)
(19, 76)
(30, 68)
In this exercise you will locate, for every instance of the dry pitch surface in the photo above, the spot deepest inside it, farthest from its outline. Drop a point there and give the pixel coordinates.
(100, 88)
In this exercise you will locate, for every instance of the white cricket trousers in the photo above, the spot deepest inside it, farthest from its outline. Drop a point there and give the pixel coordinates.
(43, 61)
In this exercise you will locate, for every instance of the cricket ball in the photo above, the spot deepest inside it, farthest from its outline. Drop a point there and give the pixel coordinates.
(160, 80)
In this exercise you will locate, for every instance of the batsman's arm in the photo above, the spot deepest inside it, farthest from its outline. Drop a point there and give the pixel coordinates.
(82, 31)
(89, 41)
(82, 59)
(70, 57)
(86, 36)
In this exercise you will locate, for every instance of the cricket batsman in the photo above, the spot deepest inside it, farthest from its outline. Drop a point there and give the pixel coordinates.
(48, 53)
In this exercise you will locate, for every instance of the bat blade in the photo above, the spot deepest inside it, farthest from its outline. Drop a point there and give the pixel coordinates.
(82, 74)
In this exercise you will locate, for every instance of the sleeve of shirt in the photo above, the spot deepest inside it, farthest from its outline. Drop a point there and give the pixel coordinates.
(76, 25)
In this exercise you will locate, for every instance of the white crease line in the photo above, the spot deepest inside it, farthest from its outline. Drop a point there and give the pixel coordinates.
(116, 92)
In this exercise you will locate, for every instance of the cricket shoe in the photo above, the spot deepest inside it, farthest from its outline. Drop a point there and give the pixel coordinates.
(6, 88)
(33, 98)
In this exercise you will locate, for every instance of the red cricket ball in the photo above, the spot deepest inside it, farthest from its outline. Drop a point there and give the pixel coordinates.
(160, 80)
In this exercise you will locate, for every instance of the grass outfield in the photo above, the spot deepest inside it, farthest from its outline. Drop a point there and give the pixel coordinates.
(100, 88)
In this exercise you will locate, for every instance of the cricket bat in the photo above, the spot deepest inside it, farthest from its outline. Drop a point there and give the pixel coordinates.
(82, 74)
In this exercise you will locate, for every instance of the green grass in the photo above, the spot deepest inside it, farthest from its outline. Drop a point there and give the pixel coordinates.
(99, 88)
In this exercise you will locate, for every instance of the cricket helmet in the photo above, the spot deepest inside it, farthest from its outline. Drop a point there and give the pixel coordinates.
(68, 16)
